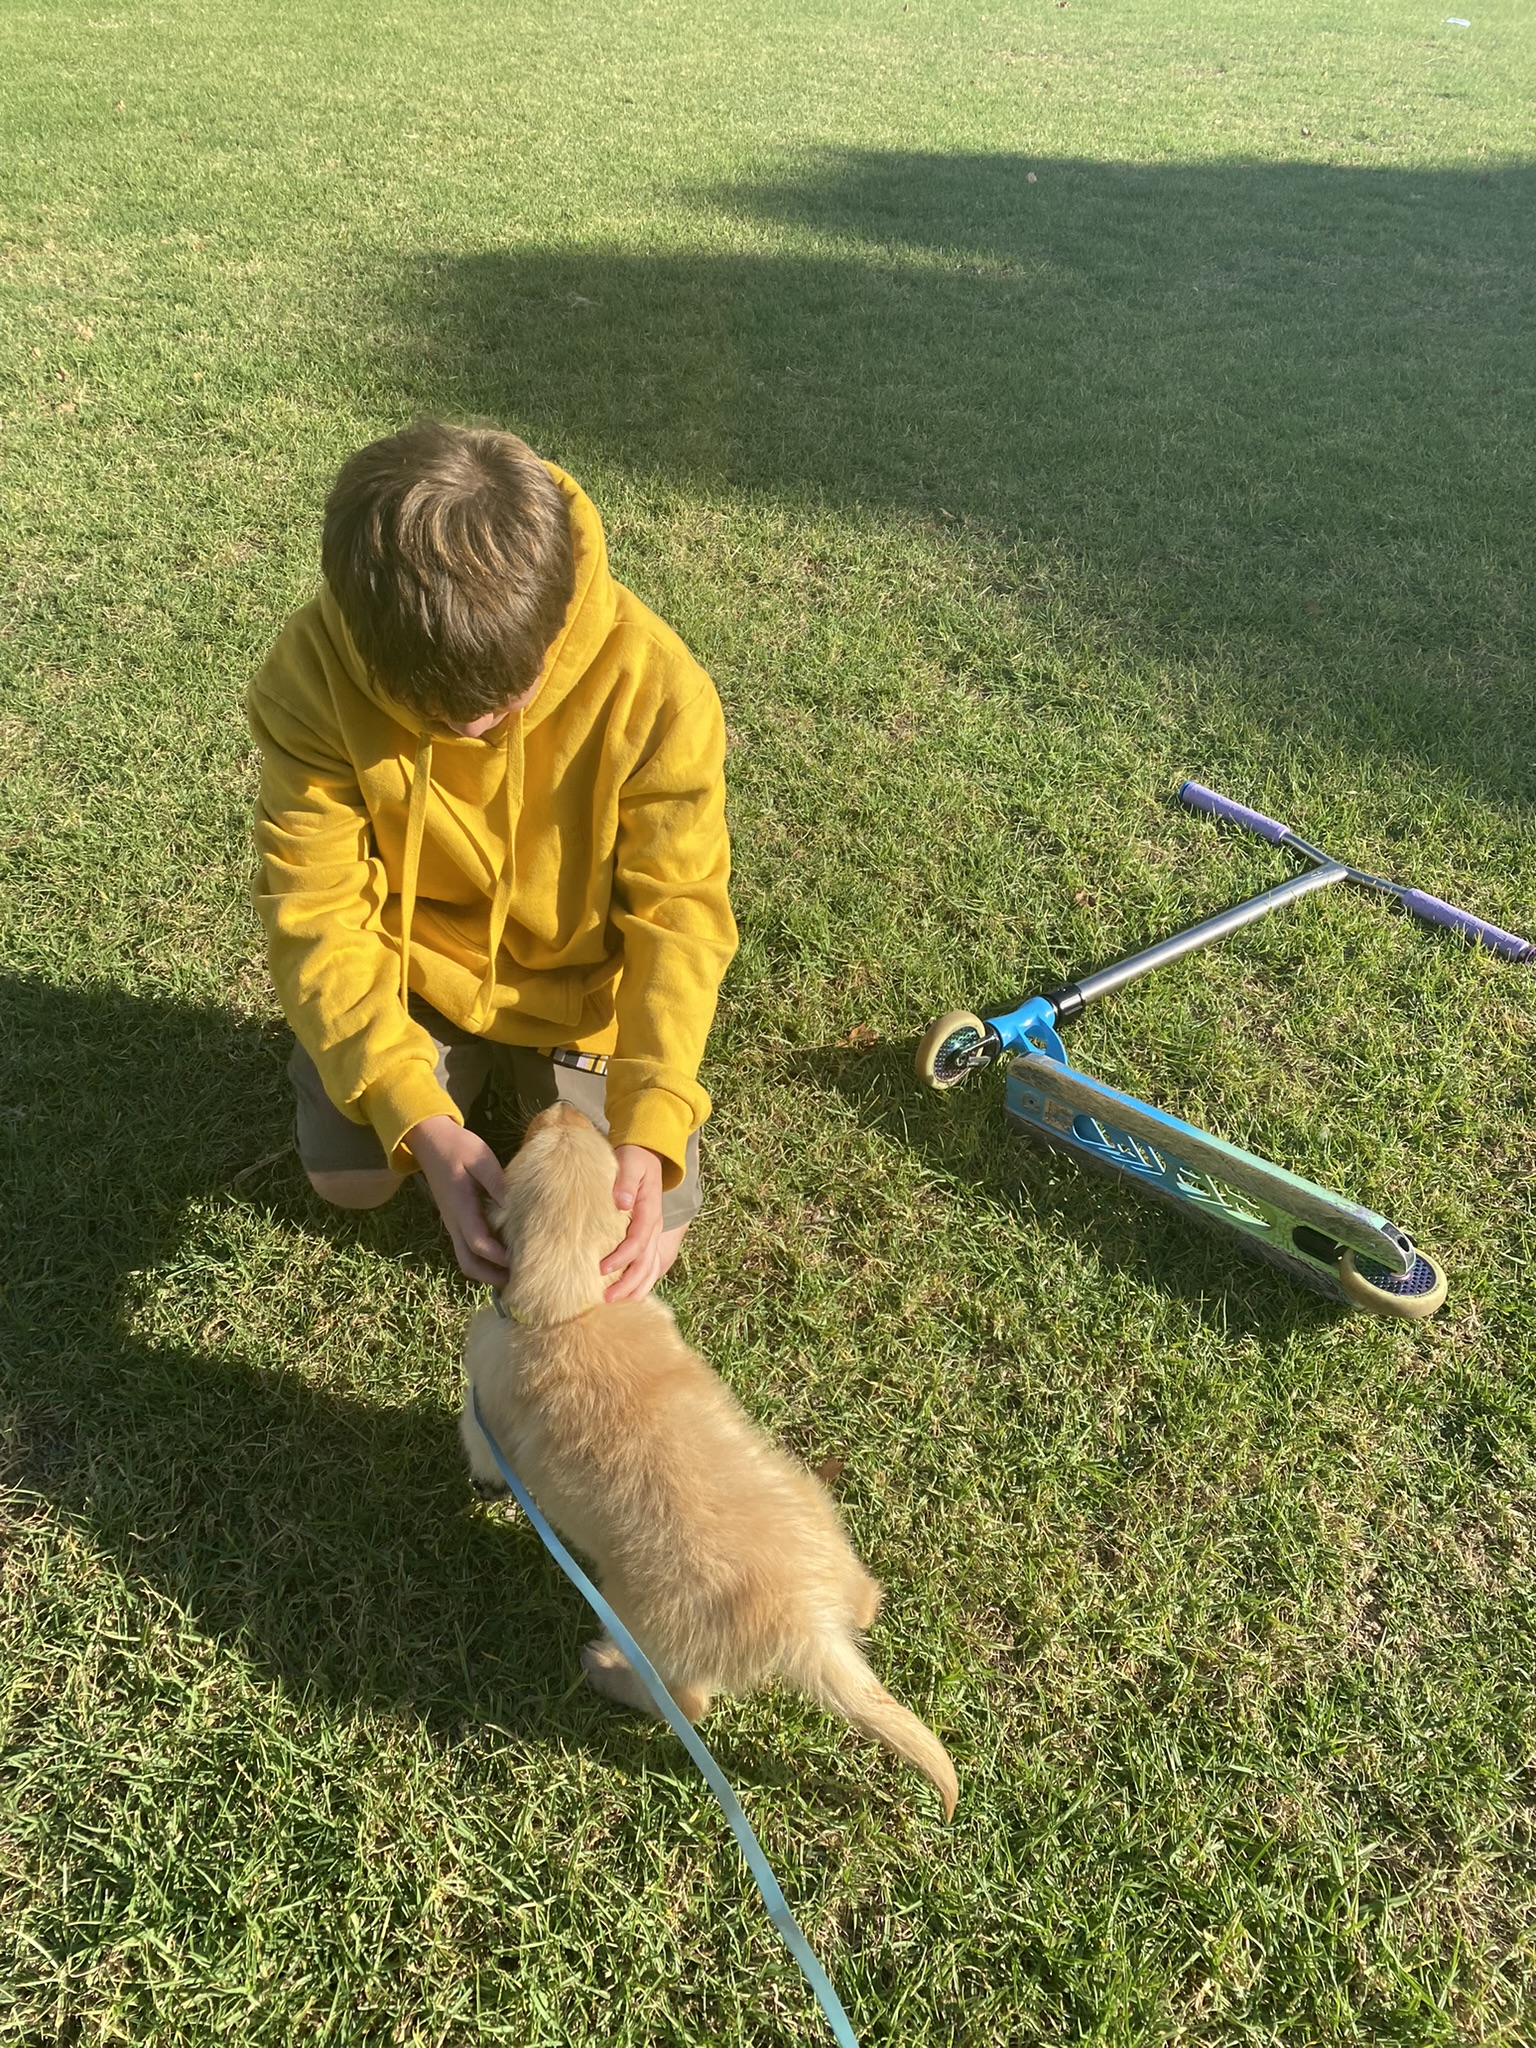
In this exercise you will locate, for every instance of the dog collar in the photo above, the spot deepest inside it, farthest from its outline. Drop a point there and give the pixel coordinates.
(510, 1315)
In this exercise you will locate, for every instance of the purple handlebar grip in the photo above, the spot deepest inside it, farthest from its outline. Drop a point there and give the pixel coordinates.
(1199, 798)
(1481, 934)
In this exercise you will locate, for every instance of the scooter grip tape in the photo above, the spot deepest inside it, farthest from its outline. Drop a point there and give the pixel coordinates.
(1433, 911)
(1199, 798)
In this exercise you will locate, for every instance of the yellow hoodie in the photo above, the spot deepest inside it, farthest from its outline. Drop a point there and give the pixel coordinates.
(561, 881)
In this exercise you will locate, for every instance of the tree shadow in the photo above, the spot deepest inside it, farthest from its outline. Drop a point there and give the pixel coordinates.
(328, 1537)
(1270, 411)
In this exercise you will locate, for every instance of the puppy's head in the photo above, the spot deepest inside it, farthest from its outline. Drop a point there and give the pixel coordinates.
(557, 1217)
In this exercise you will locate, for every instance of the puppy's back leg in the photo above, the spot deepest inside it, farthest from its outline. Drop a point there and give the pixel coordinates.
(867, 1595)
(610, 1672)
(693, 1701)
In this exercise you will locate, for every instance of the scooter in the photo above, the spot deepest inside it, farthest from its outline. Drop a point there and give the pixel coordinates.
(1334, 1245)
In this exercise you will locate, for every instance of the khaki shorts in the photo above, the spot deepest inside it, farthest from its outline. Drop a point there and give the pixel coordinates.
(329, 1142)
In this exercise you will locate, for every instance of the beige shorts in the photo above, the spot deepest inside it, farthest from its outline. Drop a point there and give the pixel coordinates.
(329, 1142)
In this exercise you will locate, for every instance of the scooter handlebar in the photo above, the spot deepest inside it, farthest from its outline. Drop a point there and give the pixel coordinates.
(1214, 805)
(1433, 911)
(1476, 929)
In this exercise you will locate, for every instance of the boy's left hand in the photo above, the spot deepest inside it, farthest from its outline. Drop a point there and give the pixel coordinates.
(635, 1265)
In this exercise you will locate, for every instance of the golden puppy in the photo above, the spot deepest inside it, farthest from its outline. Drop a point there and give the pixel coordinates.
(724, 1558)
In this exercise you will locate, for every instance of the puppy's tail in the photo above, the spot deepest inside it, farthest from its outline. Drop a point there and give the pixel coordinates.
(840, 1679)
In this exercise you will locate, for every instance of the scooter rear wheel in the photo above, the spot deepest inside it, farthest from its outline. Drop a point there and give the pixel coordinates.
(1412, 1296)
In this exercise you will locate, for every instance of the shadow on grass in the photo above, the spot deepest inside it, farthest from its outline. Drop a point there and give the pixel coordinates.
(1275, 412)
(329, 1537)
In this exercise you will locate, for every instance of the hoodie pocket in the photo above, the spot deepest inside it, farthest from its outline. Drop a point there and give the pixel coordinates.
(558, 994)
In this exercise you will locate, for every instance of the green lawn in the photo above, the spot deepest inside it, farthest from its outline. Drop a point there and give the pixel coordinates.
(1018, 410)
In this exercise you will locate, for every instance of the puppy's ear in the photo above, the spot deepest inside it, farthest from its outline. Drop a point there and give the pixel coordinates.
(518, 1197)
(501, 1212)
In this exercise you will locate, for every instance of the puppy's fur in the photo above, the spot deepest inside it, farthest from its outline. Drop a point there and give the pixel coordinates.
(725, 1560)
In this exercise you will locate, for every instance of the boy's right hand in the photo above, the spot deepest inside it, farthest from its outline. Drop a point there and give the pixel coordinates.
(462, 1170)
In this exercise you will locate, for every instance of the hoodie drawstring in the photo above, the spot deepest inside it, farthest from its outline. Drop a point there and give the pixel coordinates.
(415, 830)
(506, 880)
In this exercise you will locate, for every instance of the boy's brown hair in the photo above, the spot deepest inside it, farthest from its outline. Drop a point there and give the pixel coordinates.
(449, 552)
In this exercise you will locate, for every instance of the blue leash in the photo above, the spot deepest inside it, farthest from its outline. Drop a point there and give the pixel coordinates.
(683, 1729)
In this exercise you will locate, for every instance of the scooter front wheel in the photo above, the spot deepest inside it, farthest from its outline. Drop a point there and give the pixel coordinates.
(947, 1050)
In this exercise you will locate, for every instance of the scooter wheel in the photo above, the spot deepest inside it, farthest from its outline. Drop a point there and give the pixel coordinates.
(943, 1052)
(1385, 1293)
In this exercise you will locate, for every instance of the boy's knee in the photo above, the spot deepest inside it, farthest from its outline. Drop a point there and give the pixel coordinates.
(667, 1251)
(363, 1187)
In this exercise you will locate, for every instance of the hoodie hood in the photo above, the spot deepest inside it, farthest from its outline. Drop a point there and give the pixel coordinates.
(589, 619)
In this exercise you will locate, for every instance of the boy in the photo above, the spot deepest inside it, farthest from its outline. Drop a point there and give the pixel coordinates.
(491, 831)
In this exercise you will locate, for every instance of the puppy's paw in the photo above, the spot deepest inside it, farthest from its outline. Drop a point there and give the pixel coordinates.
(610, 1672)
(491, 1489)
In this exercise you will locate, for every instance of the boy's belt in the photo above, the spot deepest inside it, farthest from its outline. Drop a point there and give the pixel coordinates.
(586, 1062)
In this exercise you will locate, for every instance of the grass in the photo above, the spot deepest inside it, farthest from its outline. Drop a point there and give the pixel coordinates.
(1018, 411)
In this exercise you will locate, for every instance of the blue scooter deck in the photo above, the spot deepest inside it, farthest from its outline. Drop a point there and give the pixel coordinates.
(1290, 1221)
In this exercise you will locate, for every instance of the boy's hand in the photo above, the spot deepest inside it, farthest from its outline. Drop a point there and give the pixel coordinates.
(461, 1171)
(635, 1265)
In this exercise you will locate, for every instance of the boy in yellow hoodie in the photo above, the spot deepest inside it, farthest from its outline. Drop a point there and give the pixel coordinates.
(491, 831)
